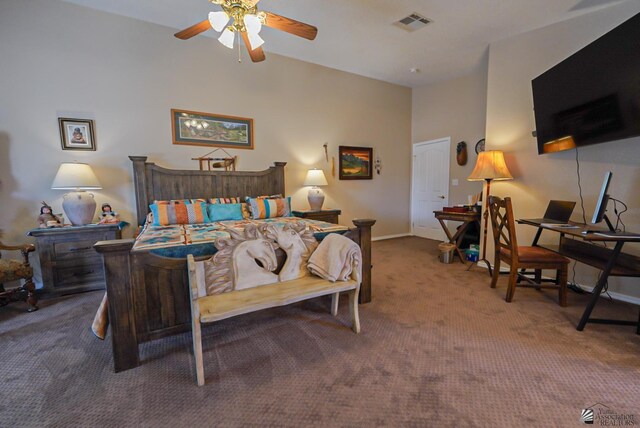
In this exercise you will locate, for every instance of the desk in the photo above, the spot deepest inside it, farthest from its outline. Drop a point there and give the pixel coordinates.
(466, 218)
(612, 262)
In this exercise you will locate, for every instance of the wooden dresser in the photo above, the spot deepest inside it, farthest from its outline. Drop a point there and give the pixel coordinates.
(328, 215)
(68, 261)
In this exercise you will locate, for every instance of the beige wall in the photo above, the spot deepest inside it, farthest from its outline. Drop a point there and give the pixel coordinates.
(58, 59)
(456, 109)
(513, 63)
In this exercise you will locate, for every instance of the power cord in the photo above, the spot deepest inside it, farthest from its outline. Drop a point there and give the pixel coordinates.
(619, 213)
(584, 218)
(573, 285)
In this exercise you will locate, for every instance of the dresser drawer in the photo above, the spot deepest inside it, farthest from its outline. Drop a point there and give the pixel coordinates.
(328, 215)
(74, 249)
(85, 274)
(329, 218)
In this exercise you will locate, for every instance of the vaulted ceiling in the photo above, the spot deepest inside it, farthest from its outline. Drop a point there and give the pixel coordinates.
(358, 36)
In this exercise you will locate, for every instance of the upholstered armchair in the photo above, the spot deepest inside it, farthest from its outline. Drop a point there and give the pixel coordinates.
(15, 270)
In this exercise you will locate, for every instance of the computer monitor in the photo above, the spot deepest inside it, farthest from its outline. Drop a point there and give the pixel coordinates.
(601, 206)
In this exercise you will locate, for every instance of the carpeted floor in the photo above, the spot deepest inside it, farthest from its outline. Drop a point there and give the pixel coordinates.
(438, 348)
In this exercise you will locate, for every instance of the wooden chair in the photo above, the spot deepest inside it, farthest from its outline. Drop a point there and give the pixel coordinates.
(537, 258)
(15, 270)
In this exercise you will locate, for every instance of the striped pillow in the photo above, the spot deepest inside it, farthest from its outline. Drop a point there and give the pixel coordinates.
(178, 212)
(278, 196)
(224, 200)
(179, 201)
(270, 208)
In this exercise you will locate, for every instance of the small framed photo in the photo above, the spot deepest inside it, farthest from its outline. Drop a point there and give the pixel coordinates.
(355, 163)
(193, 128)
(77, 134)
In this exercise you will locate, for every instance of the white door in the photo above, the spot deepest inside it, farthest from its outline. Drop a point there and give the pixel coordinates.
(430, 186)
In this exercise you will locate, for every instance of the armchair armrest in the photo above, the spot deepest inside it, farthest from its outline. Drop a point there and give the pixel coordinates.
(25, 249)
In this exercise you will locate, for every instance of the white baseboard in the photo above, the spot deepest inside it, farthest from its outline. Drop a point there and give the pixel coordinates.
(588, 289)
(615, 295)
(382, 238)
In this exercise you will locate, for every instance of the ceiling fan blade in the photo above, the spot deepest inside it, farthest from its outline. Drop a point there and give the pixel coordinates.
(290, 26)
(257, 55)
(194, 30)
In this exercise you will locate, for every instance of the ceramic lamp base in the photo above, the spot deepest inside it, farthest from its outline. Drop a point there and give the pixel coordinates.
(79, 207)
(315, 198)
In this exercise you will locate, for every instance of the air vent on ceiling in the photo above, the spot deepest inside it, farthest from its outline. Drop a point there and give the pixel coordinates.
(413, 22)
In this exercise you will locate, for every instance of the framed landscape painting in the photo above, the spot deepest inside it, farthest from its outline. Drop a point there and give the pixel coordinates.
(194, 128)
(355, 163)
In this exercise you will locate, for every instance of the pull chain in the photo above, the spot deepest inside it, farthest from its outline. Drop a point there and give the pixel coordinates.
(239, 47)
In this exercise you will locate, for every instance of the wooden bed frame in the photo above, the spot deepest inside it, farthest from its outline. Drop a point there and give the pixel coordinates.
(149, 294)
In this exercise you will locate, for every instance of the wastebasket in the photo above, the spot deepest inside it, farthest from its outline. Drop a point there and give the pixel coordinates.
(446, 252)
(472, 255)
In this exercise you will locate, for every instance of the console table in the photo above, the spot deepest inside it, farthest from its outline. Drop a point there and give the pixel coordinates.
(581, 247)
(466, 218)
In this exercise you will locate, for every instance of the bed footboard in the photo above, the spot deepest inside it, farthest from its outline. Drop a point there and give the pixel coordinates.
(149, 295)
(117, 272)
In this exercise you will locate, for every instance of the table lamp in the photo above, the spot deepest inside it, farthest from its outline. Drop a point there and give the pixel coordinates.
(78, 205)
(315, 178)
(490, 166)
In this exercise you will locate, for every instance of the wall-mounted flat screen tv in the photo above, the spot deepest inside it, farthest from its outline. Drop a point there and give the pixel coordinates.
(594, 95)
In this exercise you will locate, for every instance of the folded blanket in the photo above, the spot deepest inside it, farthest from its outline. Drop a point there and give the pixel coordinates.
(336, 259)
(101, 320)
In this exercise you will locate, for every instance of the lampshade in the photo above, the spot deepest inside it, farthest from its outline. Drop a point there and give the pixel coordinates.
(252, 24)
(218, 20)
(78, 205)
(75, 176)
(315, 177)
(255, 40)
(490, 166)
(227, 38)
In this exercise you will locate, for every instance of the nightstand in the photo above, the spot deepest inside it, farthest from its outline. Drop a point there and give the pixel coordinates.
(68, 262)
(328, 215)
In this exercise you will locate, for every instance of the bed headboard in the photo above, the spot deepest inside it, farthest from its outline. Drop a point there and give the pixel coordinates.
(152, 182)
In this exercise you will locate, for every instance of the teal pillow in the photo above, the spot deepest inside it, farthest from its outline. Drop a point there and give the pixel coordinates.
(222, 212)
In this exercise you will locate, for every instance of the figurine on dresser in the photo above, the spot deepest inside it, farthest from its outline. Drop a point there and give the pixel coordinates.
(108, 216)
(47, 218)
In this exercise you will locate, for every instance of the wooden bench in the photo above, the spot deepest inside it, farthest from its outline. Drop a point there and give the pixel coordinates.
(208, 309)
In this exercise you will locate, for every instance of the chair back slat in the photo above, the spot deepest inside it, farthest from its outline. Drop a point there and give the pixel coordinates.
(503, 225)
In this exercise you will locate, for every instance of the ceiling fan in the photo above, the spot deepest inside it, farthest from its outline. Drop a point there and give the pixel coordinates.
(247, 23)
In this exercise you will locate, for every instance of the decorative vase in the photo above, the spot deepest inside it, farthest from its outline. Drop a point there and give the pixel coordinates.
(461, 153)
(79, 207)
(315, 198)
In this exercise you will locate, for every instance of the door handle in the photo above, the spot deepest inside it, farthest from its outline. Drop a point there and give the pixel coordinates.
(441, 196)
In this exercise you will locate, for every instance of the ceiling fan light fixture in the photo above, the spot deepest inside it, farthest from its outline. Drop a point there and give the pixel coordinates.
(255, 41)
(226, 38)
(252, 23)
(218, 20)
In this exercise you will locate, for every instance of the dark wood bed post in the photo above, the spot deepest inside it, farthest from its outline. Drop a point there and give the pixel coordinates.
(117, 272)
(140, 186)
(364, 241)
